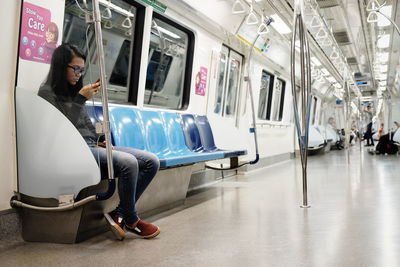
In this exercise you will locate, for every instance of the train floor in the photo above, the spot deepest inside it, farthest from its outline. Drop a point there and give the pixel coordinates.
(256, 220)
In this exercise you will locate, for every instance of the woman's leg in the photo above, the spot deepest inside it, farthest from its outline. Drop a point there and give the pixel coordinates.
(148, 167)
(126, 168)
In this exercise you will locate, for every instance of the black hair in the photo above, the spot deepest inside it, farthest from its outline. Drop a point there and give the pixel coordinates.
(57, 78)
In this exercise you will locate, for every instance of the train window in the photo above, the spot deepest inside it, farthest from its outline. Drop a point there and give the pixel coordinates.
(278, 100)
(264, 102)
(314, 110)
(168, 69)
(118, 30)
(221, 79)
(230, 69)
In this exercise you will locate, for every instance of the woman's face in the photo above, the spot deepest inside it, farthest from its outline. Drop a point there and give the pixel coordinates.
(75, 69)
(49, 37)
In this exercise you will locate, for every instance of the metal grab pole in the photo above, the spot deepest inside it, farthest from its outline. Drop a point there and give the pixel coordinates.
(305, 92)
(104, 96)
(347, 118)
(360, 134)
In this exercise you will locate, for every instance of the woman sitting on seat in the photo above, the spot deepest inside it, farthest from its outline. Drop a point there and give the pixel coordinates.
(134, 168)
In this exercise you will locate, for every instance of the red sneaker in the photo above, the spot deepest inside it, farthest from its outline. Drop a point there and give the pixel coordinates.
(116, 224)
(144, 229)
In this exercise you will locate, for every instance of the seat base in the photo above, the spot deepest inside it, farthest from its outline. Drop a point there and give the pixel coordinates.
(167, 190)
(70, 226)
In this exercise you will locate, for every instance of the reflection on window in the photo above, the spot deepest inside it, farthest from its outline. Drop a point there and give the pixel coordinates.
(167, 64)
(232, 87)
(221, 80)
(264, 102)
(278, 99)
(117, 31)
(226, 97)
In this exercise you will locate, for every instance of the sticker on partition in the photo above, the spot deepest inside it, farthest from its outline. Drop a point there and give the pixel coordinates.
(39, 35)
(201, 81)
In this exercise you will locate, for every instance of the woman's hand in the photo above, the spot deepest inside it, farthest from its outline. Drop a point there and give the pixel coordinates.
(90, 90)
(103, 145)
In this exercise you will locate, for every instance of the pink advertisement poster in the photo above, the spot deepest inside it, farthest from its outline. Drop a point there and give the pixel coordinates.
(39, 35)
(201, 81)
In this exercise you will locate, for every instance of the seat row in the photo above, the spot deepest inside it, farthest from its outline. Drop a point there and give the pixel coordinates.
(177, 139)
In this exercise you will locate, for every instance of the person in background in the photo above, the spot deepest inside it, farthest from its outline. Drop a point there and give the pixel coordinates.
(380, 131)
(368, 133)
(135, 168)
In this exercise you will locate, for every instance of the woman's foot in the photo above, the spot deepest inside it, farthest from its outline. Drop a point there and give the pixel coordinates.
(116, 224)
(143, 229)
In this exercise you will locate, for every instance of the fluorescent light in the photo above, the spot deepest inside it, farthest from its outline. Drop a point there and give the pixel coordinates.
(116, 8)
(384, 41)
(384, 68)
(337, 85)
(325, 72)
(279, 25)
(316, 61)
(167, 32)
(383, 57)
(382, 21)
(331, 79)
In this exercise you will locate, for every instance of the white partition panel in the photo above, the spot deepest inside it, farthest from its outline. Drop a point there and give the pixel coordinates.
(315, 138)
(53, 158)
(396, 136)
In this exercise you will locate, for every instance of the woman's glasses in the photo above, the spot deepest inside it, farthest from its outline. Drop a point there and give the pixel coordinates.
(77, 70)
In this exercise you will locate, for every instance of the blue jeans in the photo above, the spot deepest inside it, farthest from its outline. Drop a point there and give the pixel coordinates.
(368, 134)
(135, 170)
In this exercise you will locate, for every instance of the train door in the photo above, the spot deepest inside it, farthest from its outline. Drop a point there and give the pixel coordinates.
(228, 84)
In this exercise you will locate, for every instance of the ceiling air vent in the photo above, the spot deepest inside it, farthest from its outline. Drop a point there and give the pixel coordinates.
(352, 61)
(342, 38)
(327, 3)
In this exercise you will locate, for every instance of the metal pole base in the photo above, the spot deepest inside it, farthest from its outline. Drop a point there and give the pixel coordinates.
(305, 207)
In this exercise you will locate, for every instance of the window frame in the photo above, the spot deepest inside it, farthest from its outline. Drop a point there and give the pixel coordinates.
(135, 53)
(224, 51)
(269, 95)
(282, 102)
(231, 54)
(189, 62)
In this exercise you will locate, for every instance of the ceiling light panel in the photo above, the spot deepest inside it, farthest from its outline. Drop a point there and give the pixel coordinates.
(382, 21)
(279, 25)
(384, 41)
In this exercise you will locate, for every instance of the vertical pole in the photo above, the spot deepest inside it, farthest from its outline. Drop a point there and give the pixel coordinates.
(360, 134)
(347, 118)
(104, 96)
(389, 103)
(305, 93)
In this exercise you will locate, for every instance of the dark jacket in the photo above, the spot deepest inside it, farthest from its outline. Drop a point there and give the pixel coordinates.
(74, 109)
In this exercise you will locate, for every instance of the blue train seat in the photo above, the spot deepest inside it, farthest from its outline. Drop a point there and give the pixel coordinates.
(165, 140)
(173, 129)
(176, 139)
(95, 113)
(207, 138)
(162, 133)
(191, 133)
(126, 128)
